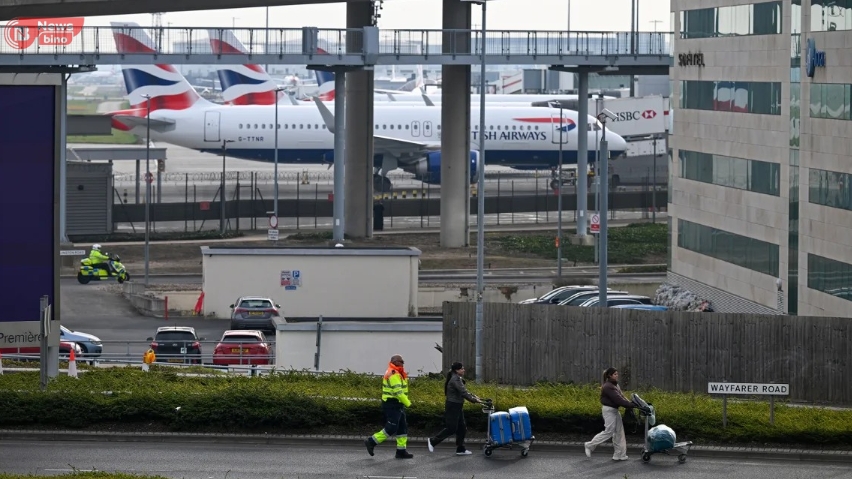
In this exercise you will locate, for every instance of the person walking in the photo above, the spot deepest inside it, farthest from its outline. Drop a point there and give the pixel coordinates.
(394, 401)
(456, 393)
(611, 399)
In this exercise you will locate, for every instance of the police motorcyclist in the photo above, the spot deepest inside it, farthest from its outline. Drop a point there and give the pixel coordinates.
(100, 260)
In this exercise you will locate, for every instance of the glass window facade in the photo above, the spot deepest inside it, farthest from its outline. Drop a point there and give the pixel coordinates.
(732, 248)
(795, 122)
(752, 175)
(762, 98)
(830, 276)
(830, 188)
(831, 15)
(756, 19)
(832, 101)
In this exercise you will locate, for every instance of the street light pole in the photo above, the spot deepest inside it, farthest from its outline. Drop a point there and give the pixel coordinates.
(654, 183)
(147, 183)
(559, 201)
(480, 196)
(277, 132)
(222, 191)
(603, 213)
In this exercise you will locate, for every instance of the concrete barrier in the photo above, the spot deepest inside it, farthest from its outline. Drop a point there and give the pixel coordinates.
(147, 303)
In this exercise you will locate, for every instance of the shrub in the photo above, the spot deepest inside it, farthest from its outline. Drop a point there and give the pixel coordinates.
(297, 402)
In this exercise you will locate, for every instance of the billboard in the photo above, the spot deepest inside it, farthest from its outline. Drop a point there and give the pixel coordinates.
(641, 116)
(28, 197)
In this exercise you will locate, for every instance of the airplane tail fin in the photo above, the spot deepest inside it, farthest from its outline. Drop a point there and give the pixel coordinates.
(246, 84)
(325, 81)
(168, 89)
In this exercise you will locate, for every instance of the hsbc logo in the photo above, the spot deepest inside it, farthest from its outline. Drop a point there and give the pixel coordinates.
(635, 115)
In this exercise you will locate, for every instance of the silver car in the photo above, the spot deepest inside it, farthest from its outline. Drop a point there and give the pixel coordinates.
(254, 312)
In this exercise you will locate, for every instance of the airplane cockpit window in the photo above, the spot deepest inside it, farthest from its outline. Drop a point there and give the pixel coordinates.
(241, 126)
(263, 126)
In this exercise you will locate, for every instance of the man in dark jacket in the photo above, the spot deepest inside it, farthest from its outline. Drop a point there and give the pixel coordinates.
(611, 400)
(456, 393)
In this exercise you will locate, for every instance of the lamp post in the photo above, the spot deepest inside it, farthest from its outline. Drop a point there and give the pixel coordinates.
(559, 199)
(277, 132)
(222, 191)
(604, 206)
(480, 196)
(654, 183)
(147, 183)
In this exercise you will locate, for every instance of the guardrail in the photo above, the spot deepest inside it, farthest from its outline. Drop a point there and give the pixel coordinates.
(192, 44)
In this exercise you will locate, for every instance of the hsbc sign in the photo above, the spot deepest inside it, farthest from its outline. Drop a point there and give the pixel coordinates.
(635, 116)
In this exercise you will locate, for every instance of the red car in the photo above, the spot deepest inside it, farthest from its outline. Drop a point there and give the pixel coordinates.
(244, 347)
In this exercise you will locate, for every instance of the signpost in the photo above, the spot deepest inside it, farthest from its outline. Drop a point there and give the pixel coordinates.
(758, 389)
(272, 232)
(72, 252)
(596, 223)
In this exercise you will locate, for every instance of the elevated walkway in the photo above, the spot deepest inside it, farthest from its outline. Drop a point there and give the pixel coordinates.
(608, 52)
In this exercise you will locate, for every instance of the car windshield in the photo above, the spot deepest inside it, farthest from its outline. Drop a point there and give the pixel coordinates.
(581, 299)
(175, 336)
(256, 303)
(240, 338)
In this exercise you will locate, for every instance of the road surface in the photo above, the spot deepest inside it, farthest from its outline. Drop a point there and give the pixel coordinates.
(260, 461)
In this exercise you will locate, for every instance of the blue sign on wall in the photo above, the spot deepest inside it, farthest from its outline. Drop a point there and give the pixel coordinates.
(27, 197)
(813, 58)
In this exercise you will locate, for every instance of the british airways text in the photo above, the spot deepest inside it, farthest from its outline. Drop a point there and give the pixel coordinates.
(512, 135)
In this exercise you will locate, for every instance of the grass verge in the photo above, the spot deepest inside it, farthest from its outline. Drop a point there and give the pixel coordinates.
(293, 402)
(156, 236)
(635, 243)
(654, 268)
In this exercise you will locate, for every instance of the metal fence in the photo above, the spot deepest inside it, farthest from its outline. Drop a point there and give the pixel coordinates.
(673, 351)
(192, 201)
(24, 38)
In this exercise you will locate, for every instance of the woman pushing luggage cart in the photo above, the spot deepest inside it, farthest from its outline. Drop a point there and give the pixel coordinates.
(507, 429)
(659, 439)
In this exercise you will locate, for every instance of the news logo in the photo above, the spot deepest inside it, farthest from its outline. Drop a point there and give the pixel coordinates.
(22, 33)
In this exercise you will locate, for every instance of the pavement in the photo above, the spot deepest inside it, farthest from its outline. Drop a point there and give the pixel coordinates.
(205, 456)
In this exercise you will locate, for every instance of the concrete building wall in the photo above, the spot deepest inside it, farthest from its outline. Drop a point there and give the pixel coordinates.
(795, 140)
(334, 282)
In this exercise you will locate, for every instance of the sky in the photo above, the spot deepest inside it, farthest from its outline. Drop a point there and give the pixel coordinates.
(586, 15)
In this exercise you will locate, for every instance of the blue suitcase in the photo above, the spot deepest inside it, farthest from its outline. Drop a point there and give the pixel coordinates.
(501, 428)
(521, 427)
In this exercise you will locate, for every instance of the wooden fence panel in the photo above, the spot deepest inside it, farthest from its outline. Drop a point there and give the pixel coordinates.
(674, 351)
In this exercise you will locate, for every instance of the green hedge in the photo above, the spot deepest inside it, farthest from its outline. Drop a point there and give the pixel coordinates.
(294, 402)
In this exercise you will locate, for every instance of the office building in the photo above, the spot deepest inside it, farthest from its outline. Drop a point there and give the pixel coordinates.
(761, 155)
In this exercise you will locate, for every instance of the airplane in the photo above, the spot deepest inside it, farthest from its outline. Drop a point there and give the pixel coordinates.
(407, 137)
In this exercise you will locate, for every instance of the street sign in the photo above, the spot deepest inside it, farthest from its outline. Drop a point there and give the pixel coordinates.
(272, 235)
(596, 223)
(749, 388)
(72, 252)
(273, 222)
(149, 177)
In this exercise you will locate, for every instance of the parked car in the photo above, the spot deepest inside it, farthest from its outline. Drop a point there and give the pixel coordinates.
(177, 344)
(616, 300)
(254, 312)
(90, 346)
(558, 295)
(582, 297)
(242, 347)
(645, 307)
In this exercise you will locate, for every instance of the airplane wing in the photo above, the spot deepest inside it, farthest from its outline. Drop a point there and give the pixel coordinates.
(160, 125)
(403, 150)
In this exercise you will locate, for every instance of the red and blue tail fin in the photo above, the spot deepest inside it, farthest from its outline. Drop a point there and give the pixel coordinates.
(245, 84)
(167, 88)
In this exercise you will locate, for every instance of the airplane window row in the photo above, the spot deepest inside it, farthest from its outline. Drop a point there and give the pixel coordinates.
(286, 126)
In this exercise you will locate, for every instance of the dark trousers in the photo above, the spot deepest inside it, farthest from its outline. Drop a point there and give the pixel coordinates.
(453, 424)
(396, 424)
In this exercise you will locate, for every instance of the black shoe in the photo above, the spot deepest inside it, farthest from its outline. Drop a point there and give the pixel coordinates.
(371, 444)
(403, 454)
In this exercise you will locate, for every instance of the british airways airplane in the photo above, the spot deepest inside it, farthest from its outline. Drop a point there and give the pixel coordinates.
(407, 137)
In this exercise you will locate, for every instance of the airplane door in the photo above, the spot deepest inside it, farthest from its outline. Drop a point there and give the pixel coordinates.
(211, 126)
(427, 128)
(558, 128)
(415, 129)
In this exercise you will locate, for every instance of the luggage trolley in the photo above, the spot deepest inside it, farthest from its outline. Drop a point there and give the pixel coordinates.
(646, 411)
(507, 429)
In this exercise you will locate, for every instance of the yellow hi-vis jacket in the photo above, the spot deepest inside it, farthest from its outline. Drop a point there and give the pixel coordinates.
(395, 387)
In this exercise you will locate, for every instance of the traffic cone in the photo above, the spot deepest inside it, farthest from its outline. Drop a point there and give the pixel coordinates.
(72, 364)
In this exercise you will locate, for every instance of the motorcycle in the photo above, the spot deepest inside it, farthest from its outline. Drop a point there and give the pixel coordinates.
(87, 272)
